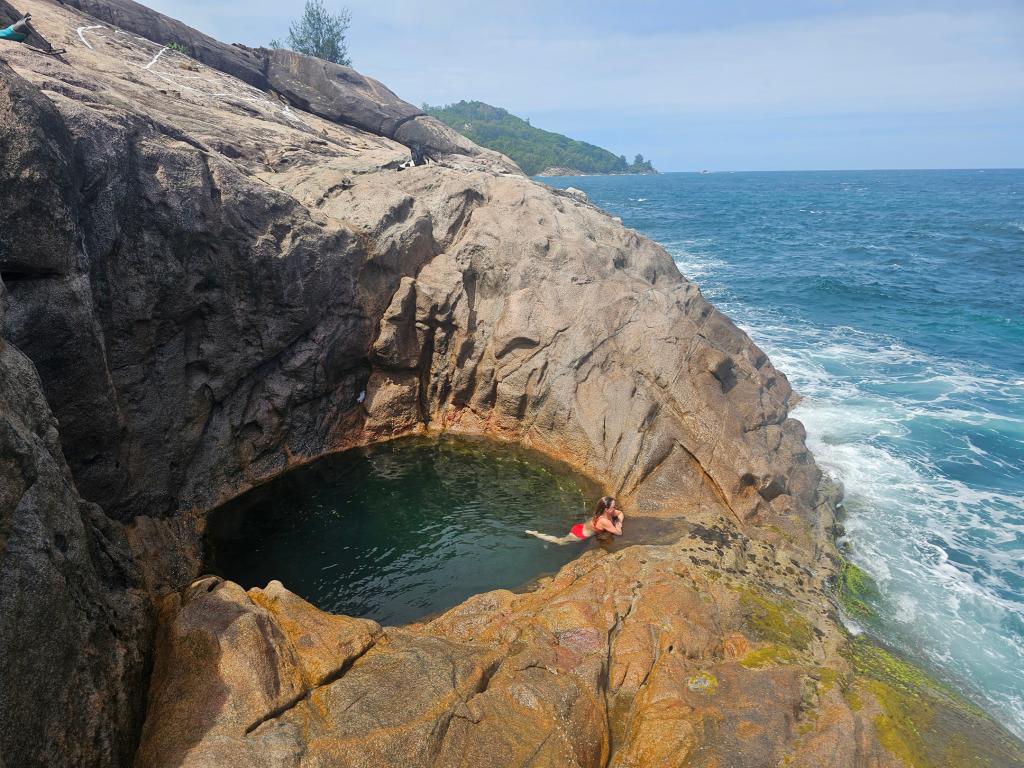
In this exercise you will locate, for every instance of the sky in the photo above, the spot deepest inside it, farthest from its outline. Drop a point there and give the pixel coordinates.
(727, 85)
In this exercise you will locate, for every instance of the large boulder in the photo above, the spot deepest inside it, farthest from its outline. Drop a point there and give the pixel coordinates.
(338, 93)
(221, 265)
(188, 354)
(74, 622)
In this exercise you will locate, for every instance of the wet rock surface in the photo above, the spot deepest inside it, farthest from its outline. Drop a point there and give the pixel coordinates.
(222, 265)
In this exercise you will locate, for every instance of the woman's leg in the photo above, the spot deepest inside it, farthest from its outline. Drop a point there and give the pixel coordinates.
(567, 539)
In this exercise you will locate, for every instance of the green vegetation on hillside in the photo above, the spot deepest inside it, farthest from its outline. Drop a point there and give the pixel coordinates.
(533, 149)
(320, 33)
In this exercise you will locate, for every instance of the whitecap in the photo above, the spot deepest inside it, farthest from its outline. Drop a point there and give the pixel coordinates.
(906, 608)
(694, 266)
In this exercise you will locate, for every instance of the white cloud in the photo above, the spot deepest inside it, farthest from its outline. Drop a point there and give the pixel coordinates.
(912, 63)
(893, 86)
(527, 58)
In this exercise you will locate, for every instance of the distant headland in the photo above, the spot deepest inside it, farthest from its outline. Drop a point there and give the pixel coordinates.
(536, 151)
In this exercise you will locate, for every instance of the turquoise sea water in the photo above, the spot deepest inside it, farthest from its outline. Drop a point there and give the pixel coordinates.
(894, 301)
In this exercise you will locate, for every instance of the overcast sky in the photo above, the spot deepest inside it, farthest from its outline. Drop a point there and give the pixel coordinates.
(728, 85)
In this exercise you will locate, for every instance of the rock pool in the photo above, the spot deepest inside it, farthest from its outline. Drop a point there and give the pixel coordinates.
(402, 530)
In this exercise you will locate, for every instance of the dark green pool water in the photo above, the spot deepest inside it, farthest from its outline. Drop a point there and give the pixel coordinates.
(404, 529)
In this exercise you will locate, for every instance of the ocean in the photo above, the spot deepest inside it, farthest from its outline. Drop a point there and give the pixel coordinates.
(894, 302)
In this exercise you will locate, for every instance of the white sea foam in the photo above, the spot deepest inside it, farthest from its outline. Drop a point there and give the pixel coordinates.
(694, 266)
(906, 516)
(927, 447)
(906, 608)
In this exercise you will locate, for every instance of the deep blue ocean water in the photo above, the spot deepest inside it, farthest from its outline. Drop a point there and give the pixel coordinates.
(894, 301)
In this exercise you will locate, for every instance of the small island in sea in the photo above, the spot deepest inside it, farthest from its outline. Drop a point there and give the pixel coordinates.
(536, 151)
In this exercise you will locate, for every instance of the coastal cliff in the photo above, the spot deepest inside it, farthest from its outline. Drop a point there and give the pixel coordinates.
(221, 265)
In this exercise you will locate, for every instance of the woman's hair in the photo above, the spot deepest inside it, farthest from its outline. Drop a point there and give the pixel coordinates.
(602, 504)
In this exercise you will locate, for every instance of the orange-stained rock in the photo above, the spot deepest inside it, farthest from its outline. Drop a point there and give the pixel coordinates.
(325, 644)
(735, 645)
(222, 664)
(216, 285)
(627, 659)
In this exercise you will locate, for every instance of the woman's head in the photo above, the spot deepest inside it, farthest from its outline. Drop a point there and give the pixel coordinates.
(604, 504)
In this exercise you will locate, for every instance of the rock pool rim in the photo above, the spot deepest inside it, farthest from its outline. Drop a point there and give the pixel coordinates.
(400, 531)
(421, 431)
(537, 455)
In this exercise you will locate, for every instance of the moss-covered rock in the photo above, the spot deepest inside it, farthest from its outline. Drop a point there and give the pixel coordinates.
(922, 721)
(775, 621)
(857, 592)
(767, 656)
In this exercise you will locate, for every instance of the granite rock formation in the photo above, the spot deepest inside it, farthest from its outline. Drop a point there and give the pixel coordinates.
(224, 264)
(681, 655)
(74, 622)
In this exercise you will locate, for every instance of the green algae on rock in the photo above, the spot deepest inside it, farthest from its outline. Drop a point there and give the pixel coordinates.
(857, 591)
(775, 621)
(922, 721)
(768, 655)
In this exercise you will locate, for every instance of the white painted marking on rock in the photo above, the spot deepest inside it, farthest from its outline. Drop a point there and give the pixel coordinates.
(156, 58)
(287, 112)
(81, 36)
(259, 98)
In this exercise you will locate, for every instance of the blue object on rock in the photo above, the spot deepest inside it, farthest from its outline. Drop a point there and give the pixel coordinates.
(11, 34)
(18, 31)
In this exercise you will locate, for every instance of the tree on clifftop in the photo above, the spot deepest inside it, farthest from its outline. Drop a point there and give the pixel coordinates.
(320, 33)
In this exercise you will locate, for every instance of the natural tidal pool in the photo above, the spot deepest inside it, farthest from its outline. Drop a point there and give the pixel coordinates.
(402, 530)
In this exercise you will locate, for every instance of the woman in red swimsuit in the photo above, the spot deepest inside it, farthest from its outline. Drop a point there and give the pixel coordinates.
(606, 519)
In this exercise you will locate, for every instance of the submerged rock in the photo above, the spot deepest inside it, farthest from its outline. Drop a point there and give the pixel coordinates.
(222, 265)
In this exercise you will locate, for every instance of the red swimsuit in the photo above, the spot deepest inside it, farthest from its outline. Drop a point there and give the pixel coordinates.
(577, 531)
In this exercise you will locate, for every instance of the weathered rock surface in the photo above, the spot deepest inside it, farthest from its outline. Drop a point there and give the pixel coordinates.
(73, 617)
(220, 268)
(331, 91)
(197, 354)
(683, 655)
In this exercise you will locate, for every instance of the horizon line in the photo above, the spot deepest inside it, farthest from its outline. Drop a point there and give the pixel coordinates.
(704, 172)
